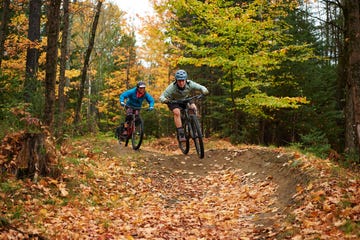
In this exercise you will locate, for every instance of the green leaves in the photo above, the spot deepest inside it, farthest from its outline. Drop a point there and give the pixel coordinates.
(247, 41)
(255, 103)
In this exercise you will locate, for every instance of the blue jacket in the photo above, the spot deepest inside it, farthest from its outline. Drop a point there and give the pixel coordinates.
(133, 101)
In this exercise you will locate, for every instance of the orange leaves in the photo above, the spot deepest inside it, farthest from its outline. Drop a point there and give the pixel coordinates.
(329, 205)
(212, 205)
(62, 189)
(317, 196)
(107, 192)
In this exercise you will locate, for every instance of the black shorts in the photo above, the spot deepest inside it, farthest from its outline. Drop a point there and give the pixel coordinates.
(172, 106)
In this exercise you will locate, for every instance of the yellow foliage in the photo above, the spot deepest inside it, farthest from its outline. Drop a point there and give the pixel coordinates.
(15, 45)
(103, 108)
(72, 73)
(75, 84)
(41, 75)
(92, 72)
(66, 89)
(42, 58)
(20, 23)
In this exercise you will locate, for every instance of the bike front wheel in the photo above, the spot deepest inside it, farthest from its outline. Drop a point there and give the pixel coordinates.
(137, 133)
(197, 136)
(185, 146)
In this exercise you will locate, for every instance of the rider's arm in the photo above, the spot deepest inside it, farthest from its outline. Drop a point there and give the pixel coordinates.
(199, 87)
(166, 95)
(150, 100)
(163, 99)
(125, 95)
(122, 98)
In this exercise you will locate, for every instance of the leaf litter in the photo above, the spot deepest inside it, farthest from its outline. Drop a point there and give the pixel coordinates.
(109, 191)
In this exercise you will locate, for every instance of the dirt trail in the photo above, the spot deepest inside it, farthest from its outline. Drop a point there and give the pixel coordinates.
(162, 158)
(259, 163)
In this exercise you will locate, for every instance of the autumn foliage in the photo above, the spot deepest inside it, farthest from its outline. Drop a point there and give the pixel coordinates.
(236, 192)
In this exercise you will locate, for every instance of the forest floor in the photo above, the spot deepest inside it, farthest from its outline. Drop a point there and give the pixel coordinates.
(109, 191)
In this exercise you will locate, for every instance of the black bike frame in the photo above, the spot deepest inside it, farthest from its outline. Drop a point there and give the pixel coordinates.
(191, 126)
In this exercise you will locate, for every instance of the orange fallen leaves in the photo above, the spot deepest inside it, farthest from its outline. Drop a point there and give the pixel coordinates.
(105, 197)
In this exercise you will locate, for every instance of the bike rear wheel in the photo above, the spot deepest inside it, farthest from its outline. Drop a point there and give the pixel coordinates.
(197, 136)
(137, 133)
(185, 146)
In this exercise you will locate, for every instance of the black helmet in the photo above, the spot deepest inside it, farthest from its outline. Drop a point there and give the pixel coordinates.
(140, 84)
(180, 75)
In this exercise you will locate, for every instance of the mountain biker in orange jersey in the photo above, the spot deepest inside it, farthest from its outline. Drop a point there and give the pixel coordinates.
(178, 90)
(133, 99)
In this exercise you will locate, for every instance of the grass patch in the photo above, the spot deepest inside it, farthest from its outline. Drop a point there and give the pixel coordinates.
(18, 213)
(90, 174)
(9, 187)
(75, 161)
(351, 227)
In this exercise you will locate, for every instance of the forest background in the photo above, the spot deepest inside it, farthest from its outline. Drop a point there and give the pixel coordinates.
(279, 72)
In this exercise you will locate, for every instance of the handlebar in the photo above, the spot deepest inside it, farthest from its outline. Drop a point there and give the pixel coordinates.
(136, 108)
(186, 100)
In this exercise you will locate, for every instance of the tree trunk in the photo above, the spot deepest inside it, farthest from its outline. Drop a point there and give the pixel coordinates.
(4, 26)
(32, 51)
(34, 158)
(63, 63)
(86, 62)
(51, 60)
(352, 46)
(29, 155)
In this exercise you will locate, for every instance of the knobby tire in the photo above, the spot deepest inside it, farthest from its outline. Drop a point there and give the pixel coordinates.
(137, 133)
(185, 146)
(197, 136)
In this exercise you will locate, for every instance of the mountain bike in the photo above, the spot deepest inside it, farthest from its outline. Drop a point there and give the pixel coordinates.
(191, 126)
(134, 130)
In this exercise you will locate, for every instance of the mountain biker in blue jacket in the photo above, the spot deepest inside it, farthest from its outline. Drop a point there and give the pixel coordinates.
(132, 99)
(180, 89)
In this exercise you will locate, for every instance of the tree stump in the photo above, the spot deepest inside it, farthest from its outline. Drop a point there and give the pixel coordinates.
(29, 155)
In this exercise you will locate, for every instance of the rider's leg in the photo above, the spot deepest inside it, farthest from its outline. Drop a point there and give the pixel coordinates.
(129, 112)
(178, 124)
(177, 117)
(127, 119)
